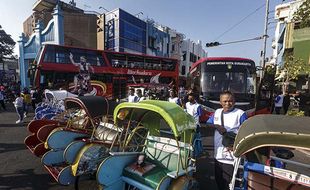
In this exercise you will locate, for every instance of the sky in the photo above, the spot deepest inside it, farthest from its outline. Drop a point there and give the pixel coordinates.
(204, 20)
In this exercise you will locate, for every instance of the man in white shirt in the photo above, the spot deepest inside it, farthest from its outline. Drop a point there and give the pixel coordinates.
(278, 103)
(193, 108)
(225, 119)
(173, 98)
(140, 96)
(132, 97)
(19, 106)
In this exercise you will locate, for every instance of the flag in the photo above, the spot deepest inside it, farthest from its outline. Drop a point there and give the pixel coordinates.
(133, 79)
(155, 79)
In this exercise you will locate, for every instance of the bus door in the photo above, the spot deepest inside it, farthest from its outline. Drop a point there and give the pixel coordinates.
(119, 87)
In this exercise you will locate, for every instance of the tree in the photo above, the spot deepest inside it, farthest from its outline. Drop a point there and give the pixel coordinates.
(302, 15)
(7, 44)
(293, 68)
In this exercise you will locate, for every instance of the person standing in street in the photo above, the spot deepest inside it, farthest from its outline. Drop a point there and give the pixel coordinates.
(140, 96)
(27, 101)
(297, 98)
(132, 97)
(304, 103)
(2, 99)
(19, 106)
(227, 121)
(286, 102)
(173, 98)
(194, 109)
(278, 103)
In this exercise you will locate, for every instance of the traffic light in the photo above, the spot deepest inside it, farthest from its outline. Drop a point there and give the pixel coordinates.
(212, 44)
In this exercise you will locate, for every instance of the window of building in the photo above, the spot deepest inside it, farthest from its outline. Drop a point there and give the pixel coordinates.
(152, 42)
(173, 47)
(133, 46)
(192, 58)
(184, 56)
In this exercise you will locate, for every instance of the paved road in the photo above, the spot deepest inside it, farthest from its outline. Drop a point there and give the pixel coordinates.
(21, 170)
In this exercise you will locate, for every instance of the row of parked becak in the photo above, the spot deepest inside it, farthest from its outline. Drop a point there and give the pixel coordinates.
(94, 143)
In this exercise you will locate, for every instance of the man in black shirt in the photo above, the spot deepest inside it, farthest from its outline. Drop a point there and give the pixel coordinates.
(286, 102)
(304, 103)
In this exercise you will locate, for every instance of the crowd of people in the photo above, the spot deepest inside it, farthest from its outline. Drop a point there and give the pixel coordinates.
(283, 101)
(22, 100)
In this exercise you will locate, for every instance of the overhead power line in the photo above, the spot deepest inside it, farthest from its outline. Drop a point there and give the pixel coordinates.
(243, 19)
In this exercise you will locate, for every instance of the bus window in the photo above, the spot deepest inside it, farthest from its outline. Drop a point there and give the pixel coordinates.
(60, 57)
(92, 57)
(95, 58)
(237, 83)
(250, 85)
(42, 79)
(49, 56)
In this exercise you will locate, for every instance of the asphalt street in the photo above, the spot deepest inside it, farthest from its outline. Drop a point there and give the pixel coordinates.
(20, 169)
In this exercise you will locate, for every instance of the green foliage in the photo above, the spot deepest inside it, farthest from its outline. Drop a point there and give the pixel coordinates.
(269, 75)
(294, 112)
(6, 44)
(270, 70)
(294, 67)
(302, 15)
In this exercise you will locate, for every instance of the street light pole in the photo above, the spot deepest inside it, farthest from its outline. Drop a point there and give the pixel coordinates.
(265, 36)
(263, 55)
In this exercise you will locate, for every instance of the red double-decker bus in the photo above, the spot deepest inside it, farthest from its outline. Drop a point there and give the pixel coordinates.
(59, 66)
(212, 75)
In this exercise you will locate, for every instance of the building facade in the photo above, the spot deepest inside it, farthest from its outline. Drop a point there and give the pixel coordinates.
(158, 39)
(127, 33)
(290, 39)
(54, 22)
(191, 52)
(284, 30)
(9, 71)
(124, 32)
(117, 30)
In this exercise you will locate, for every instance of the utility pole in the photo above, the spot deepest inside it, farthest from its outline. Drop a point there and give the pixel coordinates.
(265, 36)
(263, 55)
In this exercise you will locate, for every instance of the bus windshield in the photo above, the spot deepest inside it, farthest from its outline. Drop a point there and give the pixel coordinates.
(239, 79)
(236, 82)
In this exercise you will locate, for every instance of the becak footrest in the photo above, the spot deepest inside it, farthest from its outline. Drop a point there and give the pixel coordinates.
(61, 173)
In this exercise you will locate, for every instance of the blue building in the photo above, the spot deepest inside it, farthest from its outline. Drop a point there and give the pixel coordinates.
(125, 32)
(158, 39)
